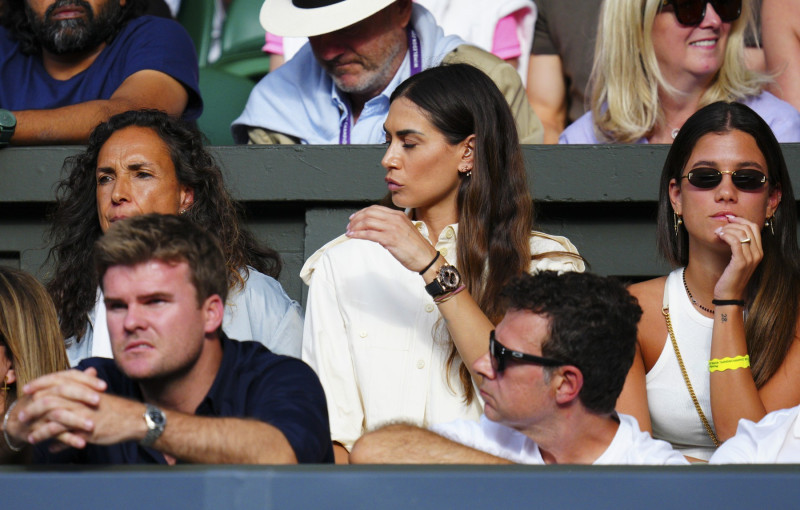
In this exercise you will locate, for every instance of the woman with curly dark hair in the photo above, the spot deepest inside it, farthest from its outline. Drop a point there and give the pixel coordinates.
(141, 162)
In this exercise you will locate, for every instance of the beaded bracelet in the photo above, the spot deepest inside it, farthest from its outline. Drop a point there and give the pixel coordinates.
(720, 365)
(5, 430)
(444, 297)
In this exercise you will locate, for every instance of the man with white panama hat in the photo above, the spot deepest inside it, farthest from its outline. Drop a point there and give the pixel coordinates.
(336, 89)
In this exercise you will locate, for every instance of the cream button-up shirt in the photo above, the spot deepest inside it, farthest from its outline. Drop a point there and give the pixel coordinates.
(374, 337)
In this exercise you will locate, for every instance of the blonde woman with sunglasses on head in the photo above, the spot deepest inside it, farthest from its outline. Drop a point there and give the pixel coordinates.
(659, 61)
(718, 338)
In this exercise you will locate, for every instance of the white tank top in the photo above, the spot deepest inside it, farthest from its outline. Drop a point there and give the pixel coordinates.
(672, 411)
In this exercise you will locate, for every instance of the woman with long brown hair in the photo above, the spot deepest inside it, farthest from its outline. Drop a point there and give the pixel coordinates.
(718, 338)
(31, 344)
(374, 330)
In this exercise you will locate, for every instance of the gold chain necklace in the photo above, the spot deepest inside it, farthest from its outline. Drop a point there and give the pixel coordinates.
(685, 374)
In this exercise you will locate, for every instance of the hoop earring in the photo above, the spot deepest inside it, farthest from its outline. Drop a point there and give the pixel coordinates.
(677, 221)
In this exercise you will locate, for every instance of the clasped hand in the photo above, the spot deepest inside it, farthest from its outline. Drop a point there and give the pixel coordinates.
(70, 407)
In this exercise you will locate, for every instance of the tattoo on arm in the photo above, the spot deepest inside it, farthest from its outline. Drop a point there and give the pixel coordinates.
(724, 317)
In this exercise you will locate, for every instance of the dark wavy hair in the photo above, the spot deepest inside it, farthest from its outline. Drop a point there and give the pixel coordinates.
(14, 18)
(593, 323)
(495, 208)
(773, 292)
(76, 226)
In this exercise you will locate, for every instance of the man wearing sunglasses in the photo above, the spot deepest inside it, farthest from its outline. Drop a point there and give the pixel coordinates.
(551, 377)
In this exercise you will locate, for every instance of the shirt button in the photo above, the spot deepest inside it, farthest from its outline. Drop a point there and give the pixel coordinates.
(420, 364)
(419, 226)
(429, 308)
(443, 251)
(363, 334)
(449, 233)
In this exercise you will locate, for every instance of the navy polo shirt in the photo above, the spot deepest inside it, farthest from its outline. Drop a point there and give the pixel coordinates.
(252, 382)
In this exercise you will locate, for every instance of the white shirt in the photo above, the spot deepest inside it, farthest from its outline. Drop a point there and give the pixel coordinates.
(630, 445)
(672, 412)
(261, 311)
(773, 440)
(375, 338)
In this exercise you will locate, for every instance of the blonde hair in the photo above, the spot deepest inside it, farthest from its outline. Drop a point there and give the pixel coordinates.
(29, 329)
(626, 78)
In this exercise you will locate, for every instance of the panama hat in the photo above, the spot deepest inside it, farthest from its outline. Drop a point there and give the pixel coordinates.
(305, 18)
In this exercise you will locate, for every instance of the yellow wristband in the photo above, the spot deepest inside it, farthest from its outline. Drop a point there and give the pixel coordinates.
(720, 365)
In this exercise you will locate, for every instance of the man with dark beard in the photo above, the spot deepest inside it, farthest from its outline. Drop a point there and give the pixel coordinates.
(67, 65)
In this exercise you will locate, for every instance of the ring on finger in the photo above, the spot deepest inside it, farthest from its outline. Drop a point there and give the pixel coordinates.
(745, 240)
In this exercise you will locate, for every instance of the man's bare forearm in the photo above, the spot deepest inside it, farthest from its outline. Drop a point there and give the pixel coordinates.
(74, 123)
(407, 444)
(223, 441)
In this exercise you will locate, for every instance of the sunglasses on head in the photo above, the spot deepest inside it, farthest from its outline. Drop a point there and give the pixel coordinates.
(708, 178)
(692, 12)
(500, 354)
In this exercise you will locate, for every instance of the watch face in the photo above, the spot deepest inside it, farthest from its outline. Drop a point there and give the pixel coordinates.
(449, 277)
(7, 120)
(157, 417)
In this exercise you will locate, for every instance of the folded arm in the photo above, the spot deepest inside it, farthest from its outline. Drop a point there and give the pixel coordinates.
(547, 94)
(72, 124)
(407, 444)
(72, 408)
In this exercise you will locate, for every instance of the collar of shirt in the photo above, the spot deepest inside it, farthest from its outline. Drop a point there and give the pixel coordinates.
(299, 99)
(446, 244)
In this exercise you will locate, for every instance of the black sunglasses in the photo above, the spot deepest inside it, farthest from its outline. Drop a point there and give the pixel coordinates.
(500, 354)
(708, 178)
(692, 12)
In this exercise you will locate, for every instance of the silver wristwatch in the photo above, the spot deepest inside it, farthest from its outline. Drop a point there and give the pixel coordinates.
(156, 422)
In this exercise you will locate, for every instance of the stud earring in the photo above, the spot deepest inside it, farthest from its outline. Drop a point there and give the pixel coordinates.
(769, 223)
(5, 384)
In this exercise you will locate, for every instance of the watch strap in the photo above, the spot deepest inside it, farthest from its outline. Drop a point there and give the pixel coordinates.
(8, 123)
(434, 288)
(156, 423)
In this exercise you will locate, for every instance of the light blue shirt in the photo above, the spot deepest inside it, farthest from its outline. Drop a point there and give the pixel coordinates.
(782, 118)
(261, 311)
(299, 99)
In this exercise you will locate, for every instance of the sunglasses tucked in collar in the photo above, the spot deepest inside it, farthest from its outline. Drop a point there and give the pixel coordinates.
(692, 12)
(500, 354)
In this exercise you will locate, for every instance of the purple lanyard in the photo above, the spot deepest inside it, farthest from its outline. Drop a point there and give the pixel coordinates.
(415, 65)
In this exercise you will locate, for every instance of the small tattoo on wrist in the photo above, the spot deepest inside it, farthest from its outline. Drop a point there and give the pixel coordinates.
(724, 317)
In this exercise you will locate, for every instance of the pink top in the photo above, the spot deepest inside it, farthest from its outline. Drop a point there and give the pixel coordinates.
(506, 43)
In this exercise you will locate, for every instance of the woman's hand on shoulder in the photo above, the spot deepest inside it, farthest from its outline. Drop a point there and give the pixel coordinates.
(394, 231)
(744, 238)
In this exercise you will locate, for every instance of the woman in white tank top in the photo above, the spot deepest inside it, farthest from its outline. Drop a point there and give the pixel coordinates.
(717, 341)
